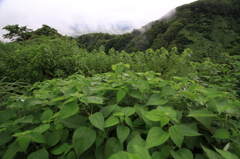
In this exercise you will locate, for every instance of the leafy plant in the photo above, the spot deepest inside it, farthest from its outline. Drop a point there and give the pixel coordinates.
(121, 114)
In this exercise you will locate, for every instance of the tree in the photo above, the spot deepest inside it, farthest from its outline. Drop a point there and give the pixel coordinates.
(46, 30)
(17, 33)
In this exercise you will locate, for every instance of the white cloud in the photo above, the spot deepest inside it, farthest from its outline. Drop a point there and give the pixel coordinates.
(61, 14)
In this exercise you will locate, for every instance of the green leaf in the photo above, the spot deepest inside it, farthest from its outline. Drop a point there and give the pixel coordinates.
(23, 142)
(156, 136)
(167, 90)
(42, 128)
(156, 99)
(111, 121)
(38, 137)
(189, 94)
(53, 137)
(5, 137)
(46, 115)
(141, 151)
(120, 155)
(122, 133)
(118, 70)
(136, 139)
(221, 105)
(59, 149)
(112, 146)
(25, 119)
(226, 154)
(6, 114)
(83, 138)
(211, 154)
(95, 99)
(40, 154)
(71, 155)
(176, 135)
(182, 154)
(203, 116)
(169, 112)
(136, 94)
(143, 85)
(120, 95)
(128, 111)
(221, 134)
(155, 115)
(97, 120)
(86, 90)
(11, 151)
(107, 110)
(68, 109)
(187, 131)
(29, 102)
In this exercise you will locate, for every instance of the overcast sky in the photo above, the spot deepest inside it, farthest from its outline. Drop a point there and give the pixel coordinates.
(64, 14)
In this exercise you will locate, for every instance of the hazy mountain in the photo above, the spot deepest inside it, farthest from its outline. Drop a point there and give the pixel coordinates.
(207, 27)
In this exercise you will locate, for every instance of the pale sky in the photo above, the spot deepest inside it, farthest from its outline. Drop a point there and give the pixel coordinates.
(64, 14)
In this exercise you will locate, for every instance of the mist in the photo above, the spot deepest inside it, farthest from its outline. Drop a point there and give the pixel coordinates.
(79, 17)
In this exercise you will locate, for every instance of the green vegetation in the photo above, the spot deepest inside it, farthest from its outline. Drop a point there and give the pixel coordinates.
(103, 96)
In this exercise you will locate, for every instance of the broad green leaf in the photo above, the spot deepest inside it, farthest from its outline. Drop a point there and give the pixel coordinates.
(118, 70)
(38, 137)
(11, 151)
(75, 121)
(29, 102)
(136, 140)
(155, 115)
(25, 119)
(182, 154)
(226, 154)
(221, 105)
(120, 155)
(68, 109)
(95, 99)
(189, 94)
(59, 149)
(6, 114)
(122, 133)
(71, 155)
(129, 121)
(156, 99)
(167, 90)
(42, 128)
(136, 94)
(86, 90)
(203, 116)
(143, 85)
(176, 135)
(107, 110)
(112, 146)
(120, 95)
(211, 154)
(128, 111)
(99, 152)
(221, 134)
(156, 136)
(46, 115)
(141, 151)
(169, 112)
(23, 142)
(97, 120)
(187, 131)
(5, 137)
(111, 121)
(40, 154)
(53, 138)
(83, 138)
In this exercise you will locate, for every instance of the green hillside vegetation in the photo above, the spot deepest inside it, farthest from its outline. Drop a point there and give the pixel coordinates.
(207, 27)
(169, 92)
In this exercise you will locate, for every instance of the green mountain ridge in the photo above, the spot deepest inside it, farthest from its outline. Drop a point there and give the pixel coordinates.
(207, 27)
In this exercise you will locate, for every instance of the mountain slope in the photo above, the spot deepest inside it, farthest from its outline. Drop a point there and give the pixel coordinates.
(207, 27)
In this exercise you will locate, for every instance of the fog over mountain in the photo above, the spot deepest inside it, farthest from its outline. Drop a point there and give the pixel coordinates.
(79, 17)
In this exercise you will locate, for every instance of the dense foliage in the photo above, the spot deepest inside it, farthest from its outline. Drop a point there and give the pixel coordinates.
(68, 98)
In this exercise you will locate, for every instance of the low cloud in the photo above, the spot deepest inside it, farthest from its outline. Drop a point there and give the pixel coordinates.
(73, 16)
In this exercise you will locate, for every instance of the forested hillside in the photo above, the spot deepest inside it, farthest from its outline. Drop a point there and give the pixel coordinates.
(208, 27)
